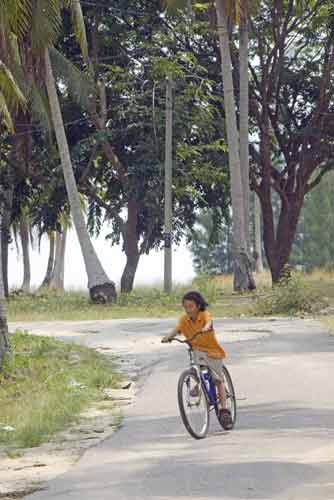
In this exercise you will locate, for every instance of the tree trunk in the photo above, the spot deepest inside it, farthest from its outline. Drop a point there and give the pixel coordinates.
(130, 238)
(101, 288)
(50, 266)
(62, 259)
(257, 235)
(5, 233)
(243, 279)
(4, 253)
(129, 273)
(57, 280)
(278, 248)
(24, 235)
(244, 116)
(4, 341)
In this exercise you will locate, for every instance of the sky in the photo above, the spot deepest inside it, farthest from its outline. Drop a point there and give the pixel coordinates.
(150, 269)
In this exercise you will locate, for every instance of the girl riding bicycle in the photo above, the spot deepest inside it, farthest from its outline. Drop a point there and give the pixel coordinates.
(207, 350)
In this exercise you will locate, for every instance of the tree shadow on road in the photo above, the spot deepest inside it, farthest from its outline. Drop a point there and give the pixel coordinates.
(287, 415)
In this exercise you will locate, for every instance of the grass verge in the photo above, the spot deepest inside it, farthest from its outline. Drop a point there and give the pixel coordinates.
(44, 385)
(146, 302)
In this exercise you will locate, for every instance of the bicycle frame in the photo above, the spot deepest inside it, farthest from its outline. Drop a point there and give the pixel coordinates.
(210, 392)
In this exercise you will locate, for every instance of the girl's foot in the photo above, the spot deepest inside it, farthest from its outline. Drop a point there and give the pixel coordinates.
(225, 418)
(194, 392)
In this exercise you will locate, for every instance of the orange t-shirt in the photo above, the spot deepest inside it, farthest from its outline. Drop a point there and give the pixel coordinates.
(207, 342)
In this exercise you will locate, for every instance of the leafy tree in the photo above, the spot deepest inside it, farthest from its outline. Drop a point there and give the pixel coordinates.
(314, 244)
(292, 91)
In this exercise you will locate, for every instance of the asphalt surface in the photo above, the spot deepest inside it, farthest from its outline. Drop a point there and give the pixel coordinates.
(282, 446)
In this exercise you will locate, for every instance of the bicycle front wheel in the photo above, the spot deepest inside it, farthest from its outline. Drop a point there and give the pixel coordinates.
(231, 403)
(193, 404)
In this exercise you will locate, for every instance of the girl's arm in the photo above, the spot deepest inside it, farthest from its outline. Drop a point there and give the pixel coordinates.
(170, 336)
(208, 326)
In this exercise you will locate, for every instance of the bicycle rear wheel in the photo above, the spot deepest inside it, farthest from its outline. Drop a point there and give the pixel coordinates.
(231, 403)
(193, 404)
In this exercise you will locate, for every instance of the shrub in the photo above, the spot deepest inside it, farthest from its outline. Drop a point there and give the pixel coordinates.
(290, 297)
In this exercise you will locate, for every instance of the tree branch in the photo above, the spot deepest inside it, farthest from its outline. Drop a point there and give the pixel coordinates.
(86, 171)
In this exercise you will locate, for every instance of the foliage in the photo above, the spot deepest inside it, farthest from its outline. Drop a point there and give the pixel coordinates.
(210, 245)
(141, 302)
(293, 297)
(45, 384)
(10, 95)
(292, 58)
(132, 65)
(314, 244)
(152, 302)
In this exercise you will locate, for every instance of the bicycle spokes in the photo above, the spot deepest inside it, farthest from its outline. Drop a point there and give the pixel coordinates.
(193, 404)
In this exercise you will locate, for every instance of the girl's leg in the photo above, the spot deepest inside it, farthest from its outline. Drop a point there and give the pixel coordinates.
(221, 390)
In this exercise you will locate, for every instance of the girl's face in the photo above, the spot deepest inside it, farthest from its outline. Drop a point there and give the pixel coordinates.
(191, 308)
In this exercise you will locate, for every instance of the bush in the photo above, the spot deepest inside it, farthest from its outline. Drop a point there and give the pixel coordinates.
(293, 296)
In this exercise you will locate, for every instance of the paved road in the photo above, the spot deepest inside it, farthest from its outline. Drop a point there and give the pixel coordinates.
(282, 447)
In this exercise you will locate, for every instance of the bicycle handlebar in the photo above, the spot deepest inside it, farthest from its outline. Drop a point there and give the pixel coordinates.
(187, 341)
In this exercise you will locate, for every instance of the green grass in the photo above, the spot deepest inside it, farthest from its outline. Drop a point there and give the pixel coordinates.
(44, 385)
(142, 302)
(149, 302)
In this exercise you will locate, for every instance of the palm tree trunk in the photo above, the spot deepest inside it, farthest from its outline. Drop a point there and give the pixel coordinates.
(5, 229)
(24, 235)
(101, 288)
(243, 279)
(4, 341)
(51, 260)
(62, 258)
(55, 270)
(57, 281)
(244, 116)
(258, 238)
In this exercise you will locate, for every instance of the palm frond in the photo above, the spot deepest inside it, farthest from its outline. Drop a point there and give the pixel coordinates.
(40, 108)
(4, 113)
(46, 23)
(9, 88)
(79, 28)
(15, 15)
(77, 83)
(14, 49)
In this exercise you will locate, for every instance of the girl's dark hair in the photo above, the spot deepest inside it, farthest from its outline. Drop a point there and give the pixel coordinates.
(197, 298)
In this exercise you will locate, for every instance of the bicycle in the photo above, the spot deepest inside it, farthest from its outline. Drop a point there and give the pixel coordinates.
(198, 395)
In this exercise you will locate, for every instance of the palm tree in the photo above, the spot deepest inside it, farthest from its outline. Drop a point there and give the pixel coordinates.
(11, 97)
(243, 279)
(101, 289)
(244, 110)
(40, 30)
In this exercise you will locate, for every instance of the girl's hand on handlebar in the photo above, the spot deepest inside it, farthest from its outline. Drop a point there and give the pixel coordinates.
(166, 339)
